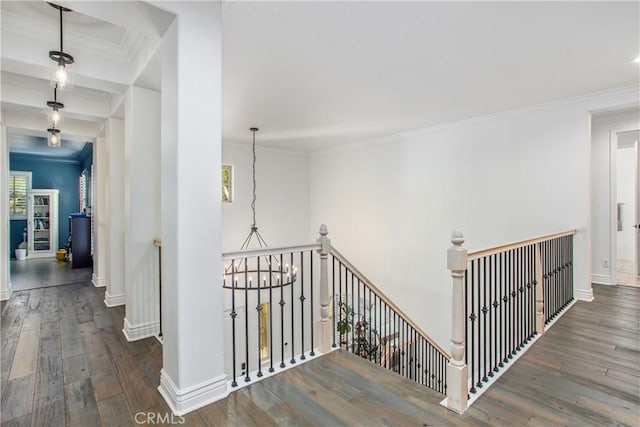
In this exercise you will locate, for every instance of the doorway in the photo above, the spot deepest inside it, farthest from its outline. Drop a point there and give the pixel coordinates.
(628, 208)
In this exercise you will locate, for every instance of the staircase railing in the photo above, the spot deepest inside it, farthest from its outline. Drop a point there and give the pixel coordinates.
(286, 305)
(367, 323)
(502, 297)
(271, 314)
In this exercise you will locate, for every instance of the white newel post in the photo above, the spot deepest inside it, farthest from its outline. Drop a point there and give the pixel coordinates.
(457, 371)
(324, 324)
(539, 292)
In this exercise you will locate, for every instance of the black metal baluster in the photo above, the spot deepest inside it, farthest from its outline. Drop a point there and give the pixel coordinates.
(353, 316)
(360, 319)
(335, 305)
(478, 286)
(340, 302)
(472, 318)
(233, 322)
(492, 269)
(496, 296)
(545, 280)
(302, 299)
(346, 306)
(246, 320)
(525, 297)
(369, 310)
(507, 302)
(271, 313)
(512, 304)
(502, 335)
(485, 310)
(312, 320)
(282, 365)
(293, 335)
(519, 318)
(259, 312)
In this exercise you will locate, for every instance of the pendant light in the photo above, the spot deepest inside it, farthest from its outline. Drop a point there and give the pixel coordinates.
(55, 115)
(252, 269)
(61, 78)
(54, 137)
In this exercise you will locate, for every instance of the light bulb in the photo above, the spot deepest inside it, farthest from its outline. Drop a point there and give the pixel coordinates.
(61, 75)
(55, 118)
(54, 140)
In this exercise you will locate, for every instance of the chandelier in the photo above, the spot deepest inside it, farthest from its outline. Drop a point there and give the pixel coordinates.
(61, 79)
(260, 272)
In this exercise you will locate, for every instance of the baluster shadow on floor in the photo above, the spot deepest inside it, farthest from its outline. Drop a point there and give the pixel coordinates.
(66, 362)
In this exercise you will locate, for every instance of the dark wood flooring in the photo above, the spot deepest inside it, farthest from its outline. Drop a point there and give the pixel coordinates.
(65, 362)
(44, 272)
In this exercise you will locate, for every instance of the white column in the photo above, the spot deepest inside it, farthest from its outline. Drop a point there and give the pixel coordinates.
(141, 212)
(192, 301)
(457, 371)
(324, 323)
(100, 213)
(5, 278)
(114, 189)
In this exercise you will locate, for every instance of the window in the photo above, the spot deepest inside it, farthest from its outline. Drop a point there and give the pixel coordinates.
(19, 187)
(84, 190)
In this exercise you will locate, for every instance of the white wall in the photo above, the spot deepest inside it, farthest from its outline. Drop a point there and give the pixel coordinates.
(141, 211)
(5, 280)
(390, 205)
(626, 174)
(602, 213)
(282, 196)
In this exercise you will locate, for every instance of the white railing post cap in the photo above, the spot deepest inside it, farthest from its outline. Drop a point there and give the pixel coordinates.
(457, 255)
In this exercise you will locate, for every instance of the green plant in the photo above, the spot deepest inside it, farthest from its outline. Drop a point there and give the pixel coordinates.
(364, 340)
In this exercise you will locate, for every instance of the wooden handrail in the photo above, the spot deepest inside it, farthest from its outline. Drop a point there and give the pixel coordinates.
(157, 242)
(481, 253)
(249, 253)
(386, 299)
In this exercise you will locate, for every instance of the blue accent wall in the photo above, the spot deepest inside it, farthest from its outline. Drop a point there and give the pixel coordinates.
(48, 173)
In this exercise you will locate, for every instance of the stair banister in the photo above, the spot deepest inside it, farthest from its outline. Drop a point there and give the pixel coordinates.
(457, 370)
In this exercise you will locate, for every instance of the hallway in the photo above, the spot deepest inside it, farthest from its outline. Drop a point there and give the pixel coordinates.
(44, 272)
(66, 362)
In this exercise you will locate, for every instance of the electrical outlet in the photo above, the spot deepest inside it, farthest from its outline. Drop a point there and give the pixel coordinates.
(605, 263)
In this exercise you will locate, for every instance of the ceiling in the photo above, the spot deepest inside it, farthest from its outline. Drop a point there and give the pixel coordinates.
(316, 74)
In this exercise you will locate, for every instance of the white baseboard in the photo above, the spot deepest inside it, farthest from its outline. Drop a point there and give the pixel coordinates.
(601, 279)
(5, 294)
(194, 397)
(138, 332)
(98, 282)
(113, 300)
(583, 294)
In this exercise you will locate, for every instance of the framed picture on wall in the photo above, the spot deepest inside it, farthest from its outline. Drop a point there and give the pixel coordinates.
(227, 183)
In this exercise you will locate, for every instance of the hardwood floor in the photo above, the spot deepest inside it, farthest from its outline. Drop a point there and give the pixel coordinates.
(64, 361)
(44, 272)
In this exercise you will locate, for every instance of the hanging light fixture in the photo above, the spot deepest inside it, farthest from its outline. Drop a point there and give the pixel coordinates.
(252, 270)
(55, 115)
(54, 137)
(61, 78)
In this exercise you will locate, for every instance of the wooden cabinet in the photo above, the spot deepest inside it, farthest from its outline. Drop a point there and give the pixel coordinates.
(80, 228)
(42, 223)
